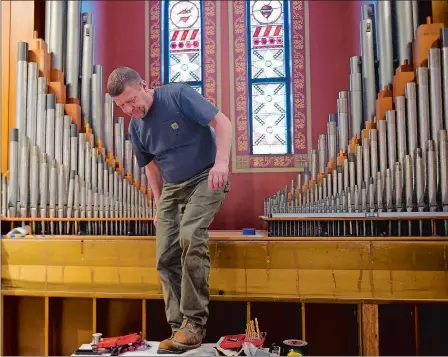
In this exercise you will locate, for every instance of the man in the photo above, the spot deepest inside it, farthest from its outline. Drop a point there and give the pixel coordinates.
(184, 142)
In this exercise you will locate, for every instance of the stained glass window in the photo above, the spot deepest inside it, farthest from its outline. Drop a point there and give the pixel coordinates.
(269, 70)
(183, 42)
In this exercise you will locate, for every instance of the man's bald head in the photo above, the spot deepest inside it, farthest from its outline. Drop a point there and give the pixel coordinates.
(120, 78)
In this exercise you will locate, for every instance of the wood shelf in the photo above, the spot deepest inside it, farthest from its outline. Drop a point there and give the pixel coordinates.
(71, 322)
(33, 328)
(23, 326)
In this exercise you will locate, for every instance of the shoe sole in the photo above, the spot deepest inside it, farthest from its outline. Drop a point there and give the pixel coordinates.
(180, 346)
(167, 352)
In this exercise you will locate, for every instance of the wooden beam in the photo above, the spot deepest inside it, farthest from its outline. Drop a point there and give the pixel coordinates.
(439, 12)
(144, 318)
(47, 327)
(370, 330)
(417, 329)
(2, 325)
(303, 320)
(375, 271)
(94, 315)
(359, 320)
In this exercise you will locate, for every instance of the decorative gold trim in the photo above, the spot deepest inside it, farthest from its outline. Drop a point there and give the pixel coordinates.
(308, 76)
(232, 87)
(147, 44)
(241, 162)
(210, 80)
(218, 54)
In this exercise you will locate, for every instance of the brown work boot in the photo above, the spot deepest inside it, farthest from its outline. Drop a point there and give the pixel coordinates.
(166, 346)
(189, 336)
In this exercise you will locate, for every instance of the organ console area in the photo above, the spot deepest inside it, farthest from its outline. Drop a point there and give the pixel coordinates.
(353, 254)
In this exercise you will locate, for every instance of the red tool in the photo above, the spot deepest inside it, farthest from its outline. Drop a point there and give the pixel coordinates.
(120, 344)
(232, 341)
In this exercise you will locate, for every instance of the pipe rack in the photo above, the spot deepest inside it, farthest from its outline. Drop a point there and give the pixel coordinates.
(390, 177)
(71, 168)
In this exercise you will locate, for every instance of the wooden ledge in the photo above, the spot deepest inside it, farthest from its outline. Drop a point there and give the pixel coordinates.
(216, 297)
(234, 236)
(301, 269)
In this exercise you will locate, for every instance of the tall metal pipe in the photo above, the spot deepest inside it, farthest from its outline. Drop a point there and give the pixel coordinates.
(41, 113)
(97, 107)
(415, 22)
(405, 30)
(322, 147)
(435, 93)
(400, 107)
(73, 48)
(24, 176)
(423, 109)
(444, 44)
(385, 37)
(411, 116)
(108, 122)
(356, 110)
(74, 140)
(13, 181)
(49, 136)
(391, 139)
(59, 133)
(56, 34)
(368, 62)
(31, 105)
(343, 121)
(87, 71)
(21, 89)
(332, 140)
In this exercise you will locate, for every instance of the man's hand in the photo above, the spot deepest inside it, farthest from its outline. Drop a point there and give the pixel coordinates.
(217, 177)
(155, 220)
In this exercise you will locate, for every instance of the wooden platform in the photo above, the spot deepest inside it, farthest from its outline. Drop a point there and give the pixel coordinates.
(74, 286)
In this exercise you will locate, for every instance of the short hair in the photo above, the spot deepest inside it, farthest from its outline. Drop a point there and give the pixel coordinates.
(120, 78)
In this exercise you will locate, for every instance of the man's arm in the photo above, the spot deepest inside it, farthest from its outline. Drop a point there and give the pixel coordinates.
(154, 176)
(223, 129)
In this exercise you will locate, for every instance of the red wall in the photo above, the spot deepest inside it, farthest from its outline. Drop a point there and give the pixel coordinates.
(334, 38)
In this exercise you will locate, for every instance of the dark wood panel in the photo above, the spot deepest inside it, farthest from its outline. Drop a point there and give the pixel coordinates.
(156, 326)
(116, 317)
(433, 329)
(397, 330)
(225, 319)
(281, 320)
(331, 330)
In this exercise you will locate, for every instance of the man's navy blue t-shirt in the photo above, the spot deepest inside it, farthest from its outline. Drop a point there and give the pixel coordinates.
(175, 132)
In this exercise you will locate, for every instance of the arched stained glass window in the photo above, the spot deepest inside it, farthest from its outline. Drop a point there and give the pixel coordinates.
(183, 55)
(269, 77)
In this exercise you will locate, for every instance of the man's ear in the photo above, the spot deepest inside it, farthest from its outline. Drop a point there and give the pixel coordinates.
(145, 86)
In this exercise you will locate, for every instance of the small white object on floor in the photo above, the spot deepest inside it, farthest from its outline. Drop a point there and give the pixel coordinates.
(205, 349)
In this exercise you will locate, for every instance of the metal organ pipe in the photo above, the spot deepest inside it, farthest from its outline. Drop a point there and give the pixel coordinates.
(59, 169)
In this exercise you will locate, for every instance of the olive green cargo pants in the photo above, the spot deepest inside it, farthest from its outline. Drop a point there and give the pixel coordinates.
(185, 212)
